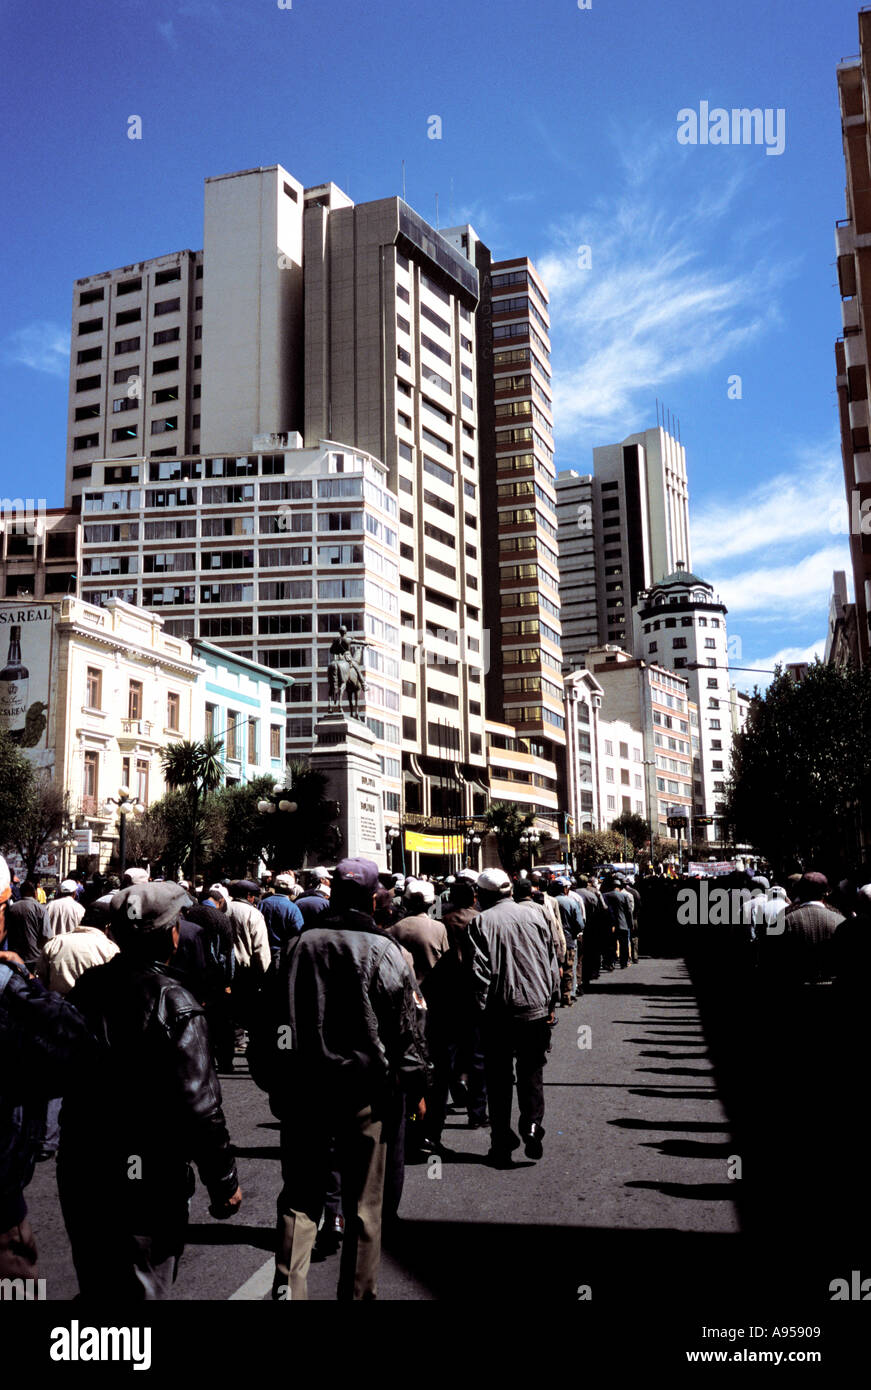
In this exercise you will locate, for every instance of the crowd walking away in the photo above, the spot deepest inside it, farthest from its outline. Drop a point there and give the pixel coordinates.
(365, 1006)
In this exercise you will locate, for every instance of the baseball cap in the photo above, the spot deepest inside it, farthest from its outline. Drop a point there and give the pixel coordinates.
(469, 874)
(69, 885)
(135, 876)
(494, 881)
(419, 887)
(282, 881)
(149, 906)
(361, 871)
(220, 889)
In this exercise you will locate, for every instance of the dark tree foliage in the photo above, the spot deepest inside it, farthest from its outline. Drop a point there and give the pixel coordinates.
(801, 771)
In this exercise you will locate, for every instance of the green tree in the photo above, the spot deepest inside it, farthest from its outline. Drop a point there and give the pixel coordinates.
(194, 770)
(635, 830)
(507, 822)
(593, 847)
(16, 781)
(245, 833)
(801, 770)
(293, 838)
(40, 818)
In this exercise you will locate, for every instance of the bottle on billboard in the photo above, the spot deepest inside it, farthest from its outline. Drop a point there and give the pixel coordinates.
(14, 681)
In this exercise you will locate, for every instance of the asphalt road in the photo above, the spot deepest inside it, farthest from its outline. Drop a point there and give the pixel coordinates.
(637, 1149)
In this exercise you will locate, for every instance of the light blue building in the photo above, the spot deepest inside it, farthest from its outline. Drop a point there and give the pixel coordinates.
(242, 704)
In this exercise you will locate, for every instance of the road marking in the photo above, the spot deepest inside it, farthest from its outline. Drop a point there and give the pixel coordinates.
(258, 1286)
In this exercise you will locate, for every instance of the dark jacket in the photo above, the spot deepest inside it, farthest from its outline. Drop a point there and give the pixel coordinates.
(41, 1038)
(346, 1000)
(27, 929)
(283, 920)
(151, 1092)
(312, 905)
(572, 914)
(514, 965)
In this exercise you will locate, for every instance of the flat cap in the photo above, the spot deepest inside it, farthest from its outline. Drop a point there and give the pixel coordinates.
(243, 887)
(149, 906)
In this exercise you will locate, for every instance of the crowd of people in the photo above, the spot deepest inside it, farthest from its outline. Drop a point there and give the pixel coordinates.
(366, 1003)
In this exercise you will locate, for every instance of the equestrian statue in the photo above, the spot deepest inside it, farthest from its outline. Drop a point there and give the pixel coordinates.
(345, 675)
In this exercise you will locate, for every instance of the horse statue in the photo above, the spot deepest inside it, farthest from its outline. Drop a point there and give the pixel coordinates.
(345, 675)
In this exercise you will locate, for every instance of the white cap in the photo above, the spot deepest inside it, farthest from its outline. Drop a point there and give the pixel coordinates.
(69, 885)
(135, 876)
(415, 886)
(220, 890)
(494, 881)
(469, 874)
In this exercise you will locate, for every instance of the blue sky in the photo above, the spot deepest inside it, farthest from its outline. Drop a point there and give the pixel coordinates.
(559, 130)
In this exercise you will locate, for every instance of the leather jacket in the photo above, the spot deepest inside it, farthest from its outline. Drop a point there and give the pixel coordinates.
(151, 1094)
(352, 1018)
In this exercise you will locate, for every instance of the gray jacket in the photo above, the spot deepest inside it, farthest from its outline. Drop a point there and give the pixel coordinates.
(513, 961)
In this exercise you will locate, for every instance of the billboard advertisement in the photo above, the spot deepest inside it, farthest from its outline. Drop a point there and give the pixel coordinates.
(26, 653)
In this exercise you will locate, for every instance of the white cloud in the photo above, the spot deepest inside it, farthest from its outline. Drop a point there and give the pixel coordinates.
(785, 656)
(649, 310)
(789, 590)
(43, 346)
(167, 31)
(788, 509)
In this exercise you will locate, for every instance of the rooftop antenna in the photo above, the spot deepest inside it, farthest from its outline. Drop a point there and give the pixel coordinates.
(657, 409)
(404, 199)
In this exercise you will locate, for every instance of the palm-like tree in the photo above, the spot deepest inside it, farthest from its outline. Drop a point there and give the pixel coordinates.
(196, 769)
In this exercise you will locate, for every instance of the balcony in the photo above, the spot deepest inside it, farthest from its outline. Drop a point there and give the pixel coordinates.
(135, 729)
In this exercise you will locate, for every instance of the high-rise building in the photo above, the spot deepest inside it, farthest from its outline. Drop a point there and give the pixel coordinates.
(40, 550)
(518, 516)
(305, 320)
(637, 530)
(853, 350)
(842, 638)
(267, 556)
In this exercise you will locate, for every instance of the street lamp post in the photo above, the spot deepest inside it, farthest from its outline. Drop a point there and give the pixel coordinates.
(529, 838)
(127, 806)
(471, 841)
(64, 842)
(391, 834)
(650, 762)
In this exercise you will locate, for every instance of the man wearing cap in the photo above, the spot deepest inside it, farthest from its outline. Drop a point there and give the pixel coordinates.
(419, 933)
(348, 1046)
(144, 1108)
(803, 953)
(316, 898)
(282, 917)
(516, 984)
(64, 958)
(65, 912)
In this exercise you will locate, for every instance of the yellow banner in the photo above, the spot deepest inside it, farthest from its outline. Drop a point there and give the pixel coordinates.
(433, 844)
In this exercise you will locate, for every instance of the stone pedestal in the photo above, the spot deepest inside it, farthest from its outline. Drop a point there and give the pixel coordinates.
(344, 754)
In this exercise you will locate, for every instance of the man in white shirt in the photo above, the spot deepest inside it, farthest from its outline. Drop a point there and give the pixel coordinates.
(64, 912)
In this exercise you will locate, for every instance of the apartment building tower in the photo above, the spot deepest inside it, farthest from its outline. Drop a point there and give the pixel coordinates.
(237, 375)
(853, 349)
(637, 530)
